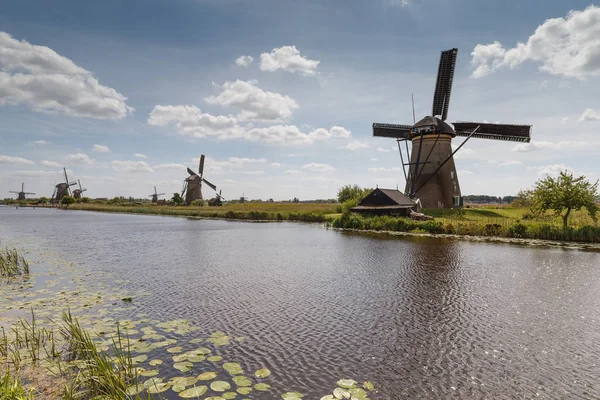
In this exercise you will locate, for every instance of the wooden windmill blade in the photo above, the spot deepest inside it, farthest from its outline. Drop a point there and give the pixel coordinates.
(506, 132)
(443, 86)
(201, 165)
(391, 130)
(214, 187)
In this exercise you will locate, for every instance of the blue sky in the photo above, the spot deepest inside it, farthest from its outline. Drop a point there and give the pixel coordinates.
(126, 93)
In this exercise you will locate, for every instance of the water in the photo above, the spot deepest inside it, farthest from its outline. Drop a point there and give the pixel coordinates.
(419, 317)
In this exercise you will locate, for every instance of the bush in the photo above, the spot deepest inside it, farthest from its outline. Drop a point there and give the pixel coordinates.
(517, 230)
(197, 203)
(67, 200)
(348, 204)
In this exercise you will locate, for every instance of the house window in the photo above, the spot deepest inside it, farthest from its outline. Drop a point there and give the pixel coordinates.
(452, 175)
(455, 188)
(456, 201)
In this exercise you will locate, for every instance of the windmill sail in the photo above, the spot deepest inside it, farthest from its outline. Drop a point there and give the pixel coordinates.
(507, 132)
(443, 86)
(391, 130)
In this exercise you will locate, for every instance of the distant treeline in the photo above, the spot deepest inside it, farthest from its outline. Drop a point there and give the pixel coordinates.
(484, 198)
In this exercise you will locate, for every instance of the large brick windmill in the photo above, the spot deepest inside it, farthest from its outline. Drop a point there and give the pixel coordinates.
(192, 186)
(431, 174)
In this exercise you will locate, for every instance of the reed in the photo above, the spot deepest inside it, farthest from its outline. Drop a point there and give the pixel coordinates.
(12, 264)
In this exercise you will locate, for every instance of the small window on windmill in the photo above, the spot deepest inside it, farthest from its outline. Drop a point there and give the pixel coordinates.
(457, 201)
(454, 186)
(452, 175)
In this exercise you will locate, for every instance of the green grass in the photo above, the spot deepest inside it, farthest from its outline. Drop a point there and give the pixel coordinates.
(12, 264)
(501, 222)
(305, 212)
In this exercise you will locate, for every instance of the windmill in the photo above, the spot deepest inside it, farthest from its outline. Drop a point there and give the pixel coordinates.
(155, 195)
(22, 193)
(62, 189)
(192, 186)
(217, 200)
(431, 173)
(77, 193)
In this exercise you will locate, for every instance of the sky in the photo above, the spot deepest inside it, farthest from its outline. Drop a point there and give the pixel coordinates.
(280, 95)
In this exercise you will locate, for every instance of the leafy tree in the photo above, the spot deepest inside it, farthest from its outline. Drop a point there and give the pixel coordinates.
(350, 192)
(43, 200)
(177, 199)
(565, 194)
(66, 200)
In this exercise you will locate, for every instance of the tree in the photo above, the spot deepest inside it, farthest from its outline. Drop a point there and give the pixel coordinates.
(177, 199)
(565, 194)
(66, 200)
(351, 192)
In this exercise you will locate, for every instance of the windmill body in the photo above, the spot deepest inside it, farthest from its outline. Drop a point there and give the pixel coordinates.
(62, 189)
(192, 186)
(429, 168)
(22, 194)
(155, 195)
(78, 193)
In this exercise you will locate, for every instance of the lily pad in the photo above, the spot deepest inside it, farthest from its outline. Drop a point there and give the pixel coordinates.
(196, 391)
(346, 383)
(149, 372)
(341, 393)
(176, 349)
(242, 381)
(139, 359)
(244, 390)
(151, 382)
(233, 368)
(158, 388)
(263, 387)
(229, 395)
(196, 358)
(214, 358)
(178, 388)
(188, 381)
(292, 396)
(184, 366)
(220, 386)
(262, 373)
(328, 397)
(135, 389)
(368, 386)
(207, 376)
(155, 362)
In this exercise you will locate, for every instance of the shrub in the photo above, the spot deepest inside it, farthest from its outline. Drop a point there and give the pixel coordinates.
(197, 203)
(67, 200)
(348, 204)
(517, 230)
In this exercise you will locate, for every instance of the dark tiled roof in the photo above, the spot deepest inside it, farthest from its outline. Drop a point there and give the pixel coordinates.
(398, 197)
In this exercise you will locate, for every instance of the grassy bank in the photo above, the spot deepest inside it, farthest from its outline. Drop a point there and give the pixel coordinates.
(305, 212)
(501, 222)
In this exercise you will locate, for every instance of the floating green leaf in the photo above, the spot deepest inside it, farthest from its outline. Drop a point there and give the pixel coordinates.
(155, 362)
(214, 358)
(149, 372)
(341, 393)
(368, 386)
(188, 381)
(178, 388)
(346, 383)
(196, 391)
(262, 387)
(241, 381)
(220, 386)
(229, 395)
(134, 389)
(158, 388)
(176, 349)
(195, 358)
(244, 390)
(184, 366)
(262, 373)
(207, 376)
(292, 396)
(139, 359)
(151, 382)
(328, 397)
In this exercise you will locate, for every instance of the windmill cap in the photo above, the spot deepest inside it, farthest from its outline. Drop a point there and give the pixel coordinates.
(440, 126)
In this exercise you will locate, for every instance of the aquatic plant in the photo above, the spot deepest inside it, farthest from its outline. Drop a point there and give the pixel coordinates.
(12, 263)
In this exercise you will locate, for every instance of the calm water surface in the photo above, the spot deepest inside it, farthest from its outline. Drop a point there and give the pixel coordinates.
(419, 317)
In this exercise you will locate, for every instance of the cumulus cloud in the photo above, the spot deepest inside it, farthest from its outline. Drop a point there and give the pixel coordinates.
(394, 169)
(98, 148)
(80, 159)
(38, 143)
(33, 174)
(14, 160)
(291, 172)
(590, 115)
(276, 165)
(170, 166)
(553, 169)
(140, 155)
(191, 121)
(254, 103)
(567, 46)
(509, 163)
(255, 172)
(291, 135)
(543, 145)
(356, 145)
(244, 61)
(51, 164)
(45, 81)
(382, 150)
(318, 167)
(288, 58)
(131, 166)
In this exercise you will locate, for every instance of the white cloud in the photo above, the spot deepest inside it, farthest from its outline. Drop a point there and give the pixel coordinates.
(131, 166)
(190, 121)
(339, 132)
(255, 172)
(38, 143)
(355, 145)
(254, 103)
(288, 58)
(396, 3)
(81, 159)
(140, 155)
(553, 169)
(33, 174)
(276, 165)
(374, 159)
(244, 61)
(510, 162)
(51, 164)
(98, 148)
(590, 115)
(543, 145)
(394, 169)
(14, 160)
(291, 172)
(382, 150)
(318, 167)
(46, 81)
(169, 166)
(567, 46)
(279, 135)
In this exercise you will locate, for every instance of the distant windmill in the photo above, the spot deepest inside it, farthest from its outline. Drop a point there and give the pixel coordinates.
(192, 186)
(62, 189)
(22, 193)
(155, 195)
(217, 200)
(77, 193)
